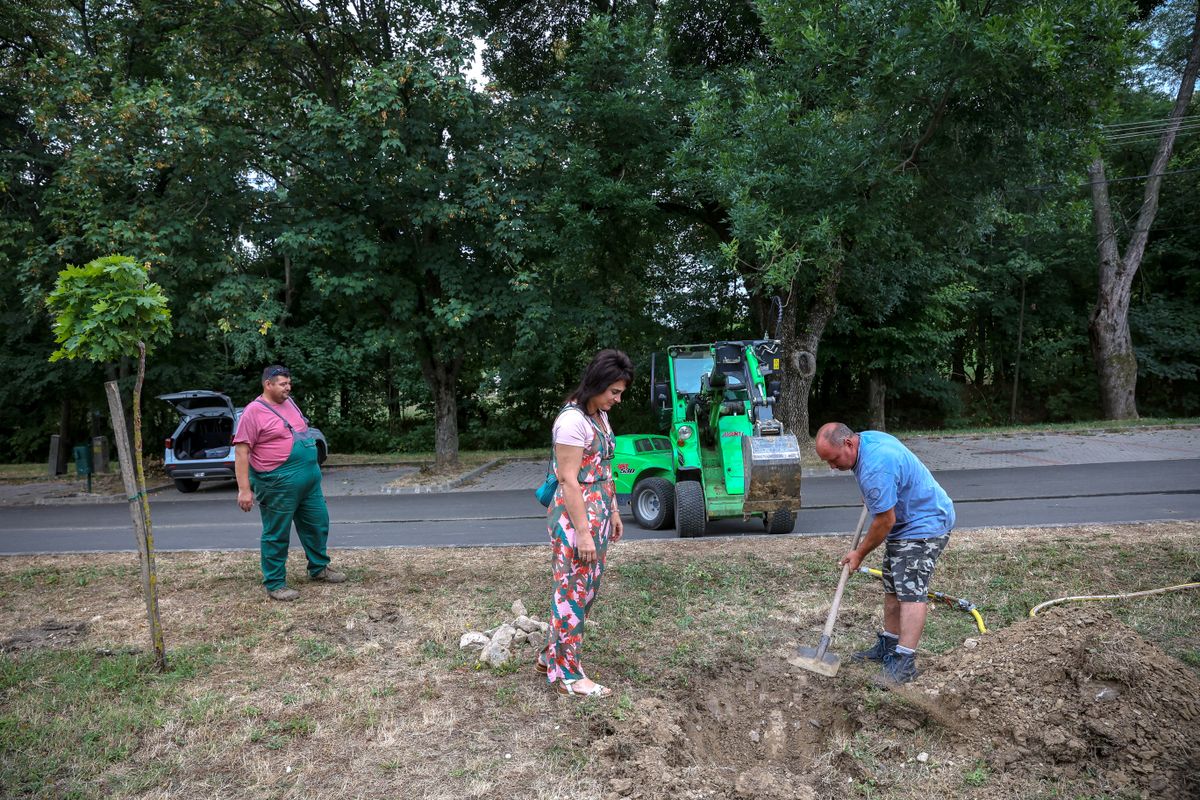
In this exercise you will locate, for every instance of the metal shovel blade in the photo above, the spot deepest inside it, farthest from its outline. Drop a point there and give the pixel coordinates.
(816, 659)
(807, 658)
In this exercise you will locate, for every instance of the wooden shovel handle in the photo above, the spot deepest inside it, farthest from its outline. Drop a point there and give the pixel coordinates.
(841, 587)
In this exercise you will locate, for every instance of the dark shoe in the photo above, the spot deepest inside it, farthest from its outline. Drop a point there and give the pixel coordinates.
(329, 576)
(898, 668)
(283, 593)
(884, 646)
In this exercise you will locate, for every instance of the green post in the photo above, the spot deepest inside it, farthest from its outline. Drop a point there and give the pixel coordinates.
(83, 463)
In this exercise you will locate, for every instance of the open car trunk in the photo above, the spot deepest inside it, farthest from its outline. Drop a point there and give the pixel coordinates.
(205, 437)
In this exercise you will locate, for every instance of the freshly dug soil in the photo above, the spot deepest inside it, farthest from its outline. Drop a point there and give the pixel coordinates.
(1070, 696)
(1074, 692)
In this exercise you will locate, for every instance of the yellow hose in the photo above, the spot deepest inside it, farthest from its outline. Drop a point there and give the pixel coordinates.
(953, 602)
(1079, 598)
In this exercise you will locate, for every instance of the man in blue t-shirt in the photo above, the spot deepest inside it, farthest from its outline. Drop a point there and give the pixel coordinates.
(914, 515)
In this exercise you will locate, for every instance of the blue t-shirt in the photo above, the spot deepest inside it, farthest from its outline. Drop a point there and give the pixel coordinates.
(890, 476)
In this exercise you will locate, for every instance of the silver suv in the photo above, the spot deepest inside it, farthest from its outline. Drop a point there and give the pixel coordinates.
(201, 448)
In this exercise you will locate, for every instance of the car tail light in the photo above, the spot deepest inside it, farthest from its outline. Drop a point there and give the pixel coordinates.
(169, 443)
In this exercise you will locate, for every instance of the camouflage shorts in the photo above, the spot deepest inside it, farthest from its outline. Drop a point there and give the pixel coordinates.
(908, 565)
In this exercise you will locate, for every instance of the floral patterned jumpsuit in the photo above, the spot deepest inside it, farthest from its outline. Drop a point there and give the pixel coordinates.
(575, 582)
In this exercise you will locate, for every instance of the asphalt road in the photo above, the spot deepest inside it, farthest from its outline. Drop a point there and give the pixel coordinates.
(1009, 497)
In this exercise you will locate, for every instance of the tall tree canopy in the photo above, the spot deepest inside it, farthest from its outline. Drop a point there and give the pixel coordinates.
(436, 252)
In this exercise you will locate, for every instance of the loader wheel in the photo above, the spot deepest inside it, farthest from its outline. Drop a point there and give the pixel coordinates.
(689, 509)
(780, 522)
(653, 503)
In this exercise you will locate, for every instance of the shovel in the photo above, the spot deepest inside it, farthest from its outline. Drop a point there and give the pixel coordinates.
(818, 659)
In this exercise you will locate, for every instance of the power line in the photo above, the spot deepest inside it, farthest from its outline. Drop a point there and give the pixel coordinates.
(1046, 186)
(1151, 134)
(1142, 177)
(1123, 126)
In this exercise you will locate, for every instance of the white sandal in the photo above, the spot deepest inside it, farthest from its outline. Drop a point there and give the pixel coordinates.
(567, 689)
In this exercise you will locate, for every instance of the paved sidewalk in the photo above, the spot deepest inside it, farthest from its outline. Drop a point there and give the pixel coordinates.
(951, 452)
(962, 452)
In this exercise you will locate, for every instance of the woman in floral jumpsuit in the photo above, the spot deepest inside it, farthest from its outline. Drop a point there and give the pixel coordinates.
(585, 501)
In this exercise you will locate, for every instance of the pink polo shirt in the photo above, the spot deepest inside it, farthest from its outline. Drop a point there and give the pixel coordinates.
(269, 439)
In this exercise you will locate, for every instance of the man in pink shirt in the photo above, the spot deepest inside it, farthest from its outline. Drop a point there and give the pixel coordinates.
(276, 459)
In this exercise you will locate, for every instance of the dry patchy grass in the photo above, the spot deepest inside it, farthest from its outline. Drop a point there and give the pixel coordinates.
(359, 690)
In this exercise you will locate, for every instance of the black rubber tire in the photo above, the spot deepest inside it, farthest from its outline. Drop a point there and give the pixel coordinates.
(781, 522)
(653, 503)
(321, 454)
(689, 509)
(186, 485)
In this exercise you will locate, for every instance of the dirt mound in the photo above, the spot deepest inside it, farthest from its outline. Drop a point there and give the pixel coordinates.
(1070, 692)
(1073, 696)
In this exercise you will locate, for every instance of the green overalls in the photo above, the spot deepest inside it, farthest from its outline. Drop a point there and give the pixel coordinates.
(292, 492)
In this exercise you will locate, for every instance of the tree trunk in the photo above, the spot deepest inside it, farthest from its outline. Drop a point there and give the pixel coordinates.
(800, 353)
(1112, 346)
(876, 394)
(1016, 381)
(64, 433)
(442, 378)
(394, 410)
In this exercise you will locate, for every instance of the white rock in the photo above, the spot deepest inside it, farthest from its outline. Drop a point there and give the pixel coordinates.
(519, 638)
(503, 636)
(495, 654)
(473, 640)
(922, 757)
(971, 644)
(526, 624)
(518, 608)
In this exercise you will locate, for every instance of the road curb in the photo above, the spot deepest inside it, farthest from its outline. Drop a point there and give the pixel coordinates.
(87, 499)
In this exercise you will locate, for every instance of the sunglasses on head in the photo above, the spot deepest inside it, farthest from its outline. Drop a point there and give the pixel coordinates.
(275, 373)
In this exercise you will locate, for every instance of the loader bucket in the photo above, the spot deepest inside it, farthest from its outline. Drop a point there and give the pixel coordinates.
(772, 470)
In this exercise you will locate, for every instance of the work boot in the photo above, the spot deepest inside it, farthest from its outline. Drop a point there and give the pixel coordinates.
(884, 646)
(283, 593)
(898, 668)
(329, 576)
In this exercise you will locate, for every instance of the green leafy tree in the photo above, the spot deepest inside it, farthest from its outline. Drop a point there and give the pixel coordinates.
(105, 310)
(875, 126)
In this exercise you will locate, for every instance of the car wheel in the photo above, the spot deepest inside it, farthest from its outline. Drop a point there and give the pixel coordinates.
(653, 503)
(321, 453)
(780, 522)
(689, 509)
(186, 485)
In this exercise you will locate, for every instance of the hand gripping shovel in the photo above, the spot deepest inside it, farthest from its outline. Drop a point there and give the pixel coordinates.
(817, 659)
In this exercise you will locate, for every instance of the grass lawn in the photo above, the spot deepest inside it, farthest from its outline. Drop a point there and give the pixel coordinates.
(360, 690)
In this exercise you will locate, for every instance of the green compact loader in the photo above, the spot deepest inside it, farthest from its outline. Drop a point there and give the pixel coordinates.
(725, 454)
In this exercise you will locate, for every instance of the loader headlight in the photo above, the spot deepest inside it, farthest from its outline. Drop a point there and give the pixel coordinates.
(685, 432)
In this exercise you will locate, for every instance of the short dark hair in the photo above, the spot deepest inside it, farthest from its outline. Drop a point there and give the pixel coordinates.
(276, 370)
(608, 367)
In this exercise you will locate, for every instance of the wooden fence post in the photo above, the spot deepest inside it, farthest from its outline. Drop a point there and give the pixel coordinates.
(141, 525)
